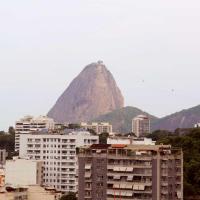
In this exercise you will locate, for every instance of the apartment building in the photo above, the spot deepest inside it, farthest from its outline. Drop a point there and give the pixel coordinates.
(197, 125)
(30, 124)
(23, 172)
(141, 125)
(125, 172)
(58, 151)
(130, 140)
(103, 127)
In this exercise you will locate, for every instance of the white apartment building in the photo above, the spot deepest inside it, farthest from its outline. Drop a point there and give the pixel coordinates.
(30, 124)
(58, 151)
(197, 125)
(141, 125)
(103, 127)
(130, 140)
(23, 172)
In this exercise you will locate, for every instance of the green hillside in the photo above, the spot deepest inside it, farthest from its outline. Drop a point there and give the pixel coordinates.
(121, 119)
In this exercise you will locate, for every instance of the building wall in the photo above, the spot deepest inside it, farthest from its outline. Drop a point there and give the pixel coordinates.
(141, 125)
(30, 124)
(59, 155)
(2, 178)
(14, 194)
(3, 155)
(103, 127)
(40, 193)
(142, 172)
(23, 172)
(130, 140)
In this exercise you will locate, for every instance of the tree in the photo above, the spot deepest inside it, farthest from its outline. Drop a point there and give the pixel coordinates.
(74, 126)
(91, 131)
(11, 130)
(189, 141)
(69, 196)
(103, 138)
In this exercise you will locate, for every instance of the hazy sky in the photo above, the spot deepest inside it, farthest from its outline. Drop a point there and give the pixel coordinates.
(151, 47)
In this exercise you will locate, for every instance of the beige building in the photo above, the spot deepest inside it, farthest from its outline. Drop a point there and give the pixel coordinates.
(23, 172)
(141, 125)
(130, 140)
(39, 193)
(125, 172)
(103, 127)
(58, 151)
(14, 193)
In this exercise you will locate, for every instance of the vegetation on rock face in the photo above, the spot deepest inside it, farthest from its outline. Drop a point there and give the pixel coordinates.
(121, 119)
(189, 141)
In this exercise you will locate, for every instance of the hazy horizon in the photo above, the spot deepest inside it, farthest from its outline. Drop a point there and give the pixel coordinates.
(151, 48)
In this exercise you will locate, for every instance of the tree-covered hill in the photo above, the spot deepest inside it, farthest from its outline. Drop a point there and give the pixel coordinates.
(189, 141)
(121, 119)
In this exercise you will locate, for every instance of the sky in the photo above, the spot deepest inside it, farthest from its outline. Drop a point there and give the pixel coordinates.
(151, 47)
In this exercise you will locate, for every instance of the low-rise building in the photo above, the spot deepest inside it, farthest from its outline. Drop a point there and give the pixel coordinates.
(23, 172)
(30, 124)
(58, 151)
(130, 140)
(14, 193)
(35, 192)
(121, 172)
(103, 127)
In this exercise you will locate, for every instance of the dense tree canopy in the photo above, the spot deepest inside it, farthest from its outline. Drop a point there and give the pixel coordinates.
(103, 138)
(69, 196)
(7, 141)
(189, 141)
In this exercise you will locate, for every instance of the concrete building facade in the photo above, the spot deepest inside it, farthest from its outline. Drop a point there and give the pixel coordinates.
(141, 125)
(36, 192)
(3, 155)
(30, 124)
(23, 172)
(58, 151)
(125, 172)
(130, 140)
(103, 127)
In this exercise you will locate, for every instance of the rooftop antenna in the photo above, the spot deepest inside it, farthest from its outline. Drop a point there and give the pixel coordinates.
(100, 62)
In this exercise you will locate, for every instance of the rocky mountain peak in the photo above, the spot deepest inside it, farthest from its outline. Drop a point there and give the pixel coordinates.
(92, 93)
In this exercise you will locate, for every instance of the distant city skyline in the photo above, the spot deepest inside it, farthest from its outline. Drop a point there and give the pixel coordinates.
(151, 48)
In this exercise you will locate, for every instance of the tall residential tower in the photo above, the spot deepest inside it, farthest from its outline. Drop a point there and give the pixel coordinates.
(141, 125)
